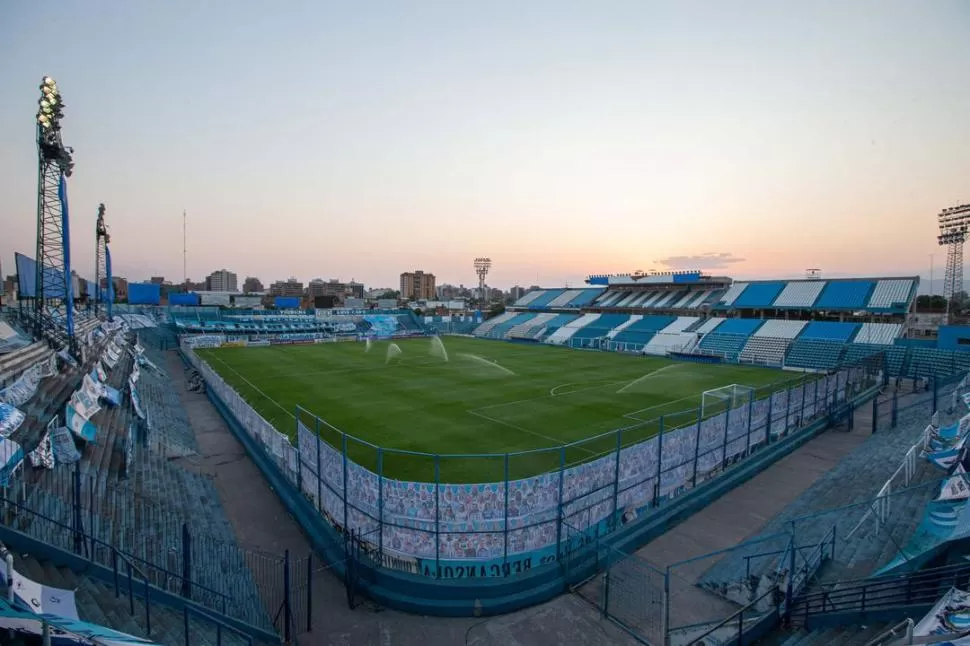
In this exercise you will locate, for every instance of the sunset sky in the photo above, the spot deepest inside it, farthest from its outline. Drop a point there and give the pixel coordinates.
(362, 139)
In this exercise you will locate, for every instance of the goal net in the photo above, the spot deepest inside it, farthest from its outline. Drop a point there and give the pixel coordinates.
(725, 398)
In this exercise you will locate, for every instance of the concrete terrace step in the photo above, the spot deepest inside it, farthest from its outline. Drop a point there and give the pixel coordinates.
(98, 603)
(855, 479)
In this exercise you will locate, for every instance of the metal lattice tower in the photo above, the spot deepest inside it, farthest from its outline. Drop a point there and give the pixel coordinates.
(53, 305)
(100, 268)
(954, 223)
(482, 265)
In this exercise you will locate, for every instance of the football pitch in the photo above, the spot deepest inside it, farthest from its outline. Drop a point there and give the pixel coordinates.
(470, 396)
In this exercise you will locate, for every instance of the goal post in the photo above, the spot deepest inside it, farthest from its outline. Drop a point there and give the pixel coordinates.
(725, 398)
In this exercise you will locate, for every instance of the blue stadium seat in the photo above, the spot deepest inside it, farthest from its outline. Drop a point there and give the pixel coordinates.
(845, 294)
(818, 354)
(585, 298)
(601, 326)
(728, 346)
(644, 329)
(829, 331)
(759, 295)
(744, 327)
(541, 301)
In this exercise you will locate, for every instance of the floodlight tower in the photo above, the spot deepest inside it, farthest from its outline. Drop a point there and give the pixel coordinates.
(954, 223)
(102, 238)
(482, 265)
(53, 306)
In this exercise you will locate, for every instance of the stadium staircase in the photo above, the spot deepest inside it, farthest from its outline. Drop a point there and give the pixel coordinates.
(770, 342)
(673, 337)
(600, 327)
(841, 497)
(531, 327)
(641, 331)
(563, 334)
(141, 508)
(852, 635)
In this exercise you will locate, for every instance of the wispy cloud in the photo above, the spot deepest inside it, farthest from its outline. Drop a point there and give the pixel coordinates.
(701, 261)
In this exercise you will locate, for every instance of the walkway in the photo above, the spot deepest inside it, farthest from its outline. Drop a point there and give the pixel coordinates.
(260, 521)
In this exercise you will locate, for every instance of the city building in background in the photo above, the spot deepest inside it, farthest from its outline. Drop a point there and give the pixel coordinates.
(120, 288)
(417, 285)
(289, 287)
(252, 285)
(221, 280)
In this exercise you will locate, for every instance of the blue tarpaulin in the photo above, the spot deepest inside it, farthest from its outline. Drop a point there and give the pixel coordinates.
(27, 279)
(144, 294)
(183, 299)
(111, 288)
(287, 302)
(66, 241)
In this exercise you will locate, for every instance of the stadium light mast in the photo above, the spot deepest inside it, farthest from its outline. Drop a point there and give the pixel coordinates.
(53, 306)
(954, 223)
(482, 265)
(100, 268)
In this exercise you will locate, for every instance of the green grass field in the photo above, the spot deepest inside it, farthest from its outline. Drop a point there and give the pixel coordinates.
(487, 397)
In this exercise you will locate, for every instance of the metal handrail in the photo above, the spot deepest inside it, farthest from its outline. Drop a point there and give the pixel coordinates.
(907, 627)
(888, 578)
(737, 614)
(917, 587)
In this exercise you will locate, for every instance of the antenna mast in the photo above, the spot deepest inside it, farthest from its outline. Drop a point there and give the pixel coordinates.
(185, 276)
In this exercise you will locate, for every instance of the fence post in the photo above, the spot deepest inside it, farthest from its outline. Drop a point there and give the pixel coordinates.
(309, 591)
(771, 407)
(343, 442)
(606, 591)
(77, 508)
(316, 423)
(727, 425)
(380, 498)
(787, 409)
(666, 615)
(562, 470)
(660, 460)
(747, 444)
(186, 562)
(801, 415)
(505, 517)
(91, 515)
(437, 514)
(286, 595)
(875, 413)
(697, 446)
(815, 400)
(935, 395)
(895, 409)
(299, 454)
(791, 573)
(616, 477)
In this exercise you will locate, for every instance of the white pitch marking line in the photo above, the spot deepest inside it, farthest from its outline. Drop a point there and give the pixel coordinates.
(650, 374)
(553, 393)
(522, 429)
(264, 395)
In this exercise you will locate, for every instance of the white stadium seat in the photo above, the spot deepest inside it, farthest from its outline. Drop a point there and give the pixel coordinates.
(881, 333)
(800, 293)
(732, 293)
(890, 292)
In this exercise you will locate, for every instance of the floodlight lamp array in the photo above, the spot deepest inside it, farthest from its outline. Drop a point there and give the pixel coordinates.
(956, 218)
(50, 111)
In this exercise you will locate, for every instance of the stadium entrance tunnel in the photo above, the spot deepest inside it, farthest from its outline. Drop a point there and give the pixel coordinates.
(474, 590)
